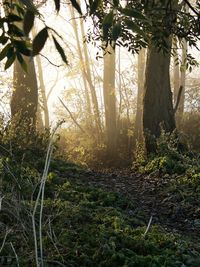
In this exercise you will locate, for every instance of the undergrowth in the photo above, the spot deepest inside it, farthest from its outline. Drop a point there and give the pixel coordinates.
(178, 173)
(81, 226)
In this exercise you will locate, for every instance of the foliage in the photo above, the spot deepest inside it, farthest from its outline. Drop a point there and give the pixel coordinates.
(172, 157)
(130, 26)
(18, 144)
(84, 150)
(177, 176)
(84, 226)
(190, 129)
(16, 25)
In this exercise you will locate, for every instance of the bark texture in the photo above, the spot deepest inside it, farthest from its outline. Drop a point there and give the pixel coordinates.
(110, 100)
(24, 98)
(158, 107)
(42, 90)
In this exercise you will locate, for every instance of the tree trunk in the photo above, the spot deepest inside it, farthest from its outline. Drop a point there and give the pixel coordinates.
(110, 100)
(158, 107)
(24, 98)
(45, 108)
(180, 109)
(91, 85)
(138, 135)
(176, 71)
(86, 75)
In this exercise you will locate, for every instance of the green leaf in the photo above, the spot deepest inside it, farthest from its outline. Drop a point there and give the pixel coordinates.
(3, 39)
(135, 28)
(57, 5)
(10, 61)
(76, 5)
(94, 6)
(4, 51)
(116, 3)
(14, 30)
(21, 47)
(10, 52)
(28, 22)
(39, 41)
(22, 62)
(108, 19)
(60, 50)
(13, 17)
(133, 13)
(29, 5)
(116, 31)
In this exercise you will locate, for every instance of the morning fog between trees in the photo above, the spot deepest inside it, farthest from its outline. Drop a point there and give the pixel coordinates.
(99, 133)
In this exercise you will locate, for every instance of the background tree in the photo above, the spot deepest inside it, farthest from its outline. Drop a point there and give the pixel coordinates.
(138, 127)
(110, 100)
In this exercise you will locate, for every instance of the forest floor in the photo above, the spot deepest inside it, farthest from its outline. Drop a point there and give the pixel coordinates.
(152, 195)
(100, 218)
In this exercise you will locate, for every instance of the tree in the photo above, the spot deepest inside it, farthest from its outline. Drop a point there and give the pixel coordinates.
(24, 98)
(158, 107)
(110, 100)
(176, 70)
(138, 133)
(130, 26)
(86, 76)
(42, 90)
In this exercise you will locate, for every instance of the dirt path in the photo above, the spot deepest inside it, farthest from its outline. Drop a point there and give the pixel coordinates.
(150, 197)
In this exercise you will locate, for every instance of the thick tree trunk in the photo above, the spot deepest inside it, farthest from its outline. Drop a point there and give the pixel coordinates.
(24, 98)
(158, 107)
(110, 100)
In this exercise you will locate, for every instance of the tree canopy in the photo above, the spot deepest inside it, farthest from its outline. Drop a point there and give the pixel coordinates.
(133, 24)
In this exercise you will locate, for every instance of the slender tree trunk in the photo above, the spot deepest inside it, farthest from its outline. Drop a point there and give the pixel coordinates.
(138, 135)
(86, 74)
(180, 109)
(158, 107)
(91, 85)
(176, 71)
(43, 92)
(75, 28)
(110, 100)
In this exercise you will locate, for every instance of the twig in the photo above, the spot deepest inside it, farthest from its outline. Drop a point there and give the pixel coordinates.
(4, 240)
(192, 8)
(57, 66)
(148, 226)
(42, 201)
(72, 117)
(17, 260)
(178, 98)
(1, 199)
(40, 197)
